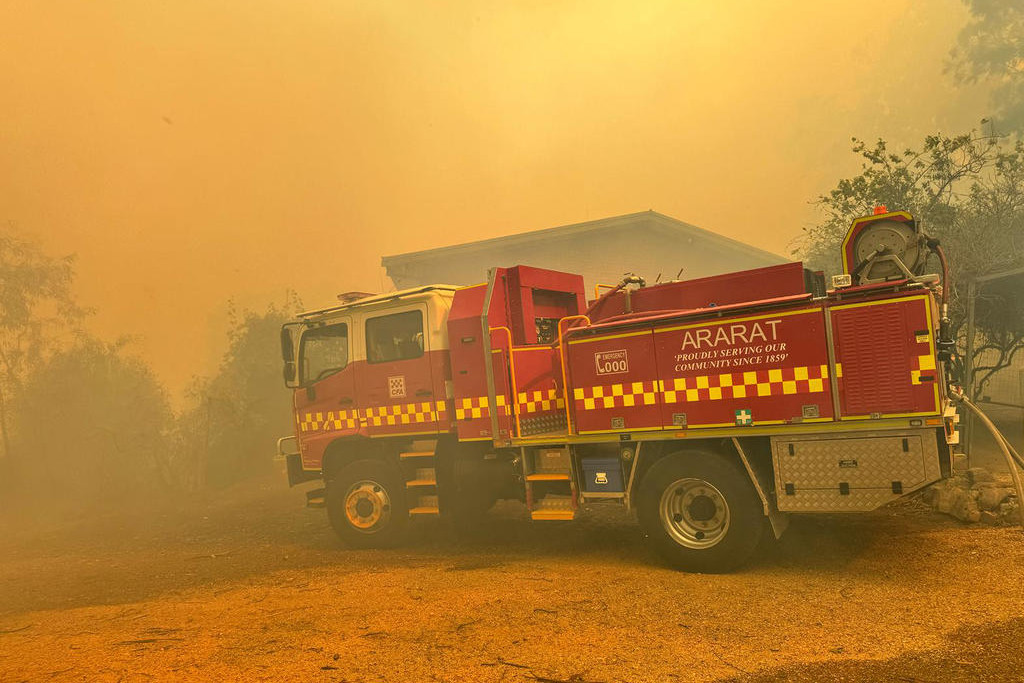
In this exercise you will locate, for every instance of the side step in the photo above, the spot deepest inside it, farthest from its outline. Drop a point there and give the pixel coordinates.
(425, 476)
(553, 507)
(548, 515)
(316, 498)
(416, 454)
(550, 490)
(421, 477)
(550, 476)
(427, 505)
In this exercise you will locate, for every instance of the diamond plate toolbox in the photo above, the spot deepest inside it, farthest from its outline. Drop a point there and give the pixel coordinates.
(854, 472)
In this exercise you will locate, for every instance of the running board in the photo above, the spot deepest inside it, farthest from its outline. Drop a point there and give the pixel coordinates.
(416, 454)
(552, 514)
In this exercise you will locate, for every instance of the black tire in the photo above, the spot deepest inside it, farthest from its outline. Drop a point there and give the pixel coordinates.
(700, 512)
(366, 505)
(471, 491)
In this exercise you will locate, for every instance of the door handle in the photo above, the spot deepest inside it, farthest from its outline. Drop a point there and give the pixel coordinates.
(424, 392)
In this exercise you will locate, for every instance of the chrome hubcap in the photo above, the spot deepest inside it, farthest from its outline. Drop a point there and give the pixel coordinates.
(694, 513)
(367, 505)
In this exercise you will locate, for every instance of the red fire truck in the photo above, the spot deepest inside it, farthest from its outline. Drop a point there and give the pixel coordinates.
(714, 407)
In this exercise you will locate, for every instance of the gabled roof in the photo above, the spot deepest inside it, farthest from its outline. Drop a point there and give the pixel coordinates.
(653, 219)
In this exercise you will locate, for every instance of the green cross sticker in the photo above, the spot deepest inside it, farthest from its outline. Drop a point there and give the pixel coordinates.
(744, 418)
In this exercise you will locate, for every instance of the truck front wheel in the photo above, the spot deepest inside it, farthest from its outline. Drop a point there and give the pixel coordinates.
(700, 511)
(366, 505)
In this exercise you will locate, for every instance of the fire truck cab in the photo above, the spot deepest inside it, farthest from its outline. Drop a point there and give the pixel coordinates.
(715, 408)
(373, 368)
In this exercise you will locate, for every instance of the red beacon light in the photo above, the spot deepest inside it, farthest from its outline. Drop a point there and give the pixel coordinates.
(880, 209)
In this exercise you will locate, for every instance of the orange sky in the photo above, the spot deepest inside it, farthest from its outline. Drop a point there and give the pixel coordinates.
(194, 151)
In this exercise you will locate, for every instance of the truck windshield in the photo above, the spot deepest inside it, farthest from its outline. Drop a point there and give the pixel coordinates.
(324, 351)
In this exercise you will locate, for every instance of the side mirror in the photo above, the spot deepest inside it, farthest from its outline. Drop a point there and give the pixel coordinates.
(289, 371)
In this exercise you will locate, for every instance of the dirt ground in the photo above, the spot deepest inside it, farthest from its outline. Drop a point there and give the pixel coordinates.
(253, 586)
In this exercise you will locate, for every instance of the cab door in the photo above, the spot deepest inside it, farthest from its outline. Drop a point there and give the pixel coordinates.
(325, 407)
(395, 385)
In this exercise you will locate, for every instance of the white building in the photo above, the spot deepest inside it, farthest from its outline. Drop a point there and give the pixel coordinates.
(648, 244)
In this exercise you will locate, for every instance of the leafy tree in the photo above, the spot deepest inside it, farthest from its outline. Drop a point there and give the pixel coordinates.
(237, 415)
(37, 313)
(96, 422)
(991, 49)
(926, 182)
(968, 192)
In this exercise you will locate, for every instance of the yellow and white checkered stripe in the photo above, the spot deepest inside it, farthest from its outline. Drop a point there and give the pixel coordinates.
(329, 421)
(403, 413)
(627, 394)
(377, 416)
(476, 407)
(528, 402)
(540, 401)
(730, 385)
(926, 367)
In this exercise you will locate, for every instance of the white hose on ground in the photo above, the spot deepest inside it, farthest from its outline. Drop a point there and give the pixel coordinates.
(1011, 455)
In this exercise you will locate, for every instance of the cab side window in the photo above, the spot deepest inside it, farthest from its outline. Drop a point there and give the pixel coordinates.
(394, 337)
(324, 351)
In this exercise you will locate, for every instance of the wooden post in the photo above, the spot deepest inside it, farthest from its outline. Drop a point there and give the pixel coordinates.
(967, 416)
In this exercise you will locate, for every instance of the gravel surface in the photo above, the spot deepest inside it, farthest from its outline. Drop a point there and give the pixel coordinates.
(253, 586)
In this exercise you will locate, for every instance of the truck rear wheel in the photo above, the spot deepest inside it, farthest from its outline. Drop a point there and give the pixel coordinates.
(472, 491)
(366, 505)
(700, 511)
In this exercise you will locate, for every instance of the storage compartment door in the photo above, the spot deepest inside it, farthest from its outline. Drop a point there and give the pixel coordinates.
(885, 358)
(852, 473)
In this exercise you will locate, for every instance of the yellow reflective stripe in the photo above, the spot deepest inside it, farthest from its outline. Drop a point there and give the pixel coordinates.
(723, 386)
(330, 421)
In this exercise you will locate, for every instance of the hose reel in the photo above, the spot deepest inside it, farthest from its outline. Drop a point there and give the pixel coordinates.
(886, 246)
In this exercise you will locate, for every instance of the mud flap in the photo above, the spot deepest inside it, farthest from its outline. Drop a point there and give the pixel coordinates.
(762, 482)
(297, 475)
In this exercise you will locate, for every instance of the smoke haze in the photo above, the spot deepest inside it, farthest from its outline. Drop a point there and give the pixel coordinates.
(192, 152)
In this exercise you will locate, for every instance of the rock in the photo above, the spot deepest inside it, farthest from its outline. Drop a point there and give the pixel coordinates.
(992, 494)
(928, 496)
(975, 497)
(990, 518)
(965, 507)
(1010, 512)
(976, 475)
(944, 496)
(957, 500)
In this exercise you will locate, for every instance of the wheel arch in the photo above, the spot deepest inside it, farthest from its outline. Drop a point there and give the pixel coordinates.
(751, 455)
(346, 450)
(652, 452)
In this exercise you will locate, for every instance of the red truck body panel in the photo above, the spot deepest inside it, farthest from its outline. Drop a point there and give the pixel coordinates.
(748, 349)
